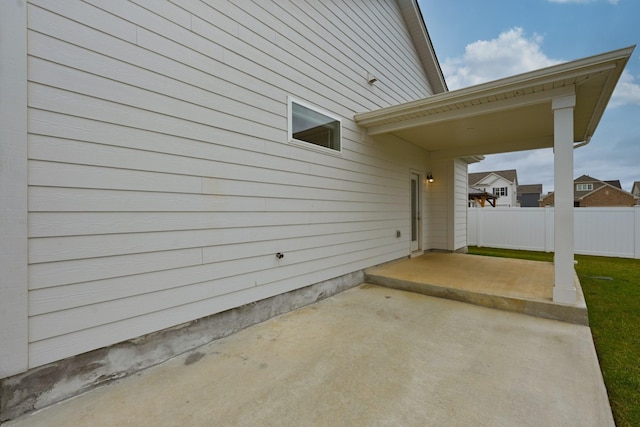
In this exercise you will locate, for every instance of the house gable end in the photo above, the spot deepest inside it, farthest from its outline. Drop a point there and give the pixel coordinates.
(596, 185)
(607, 195)
(509, 175)
(475, 178)
(417, 29)
(490, 179)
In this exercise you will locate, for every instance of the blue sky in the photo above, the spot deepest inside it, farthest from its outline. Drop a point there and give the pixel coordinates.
(483, 40)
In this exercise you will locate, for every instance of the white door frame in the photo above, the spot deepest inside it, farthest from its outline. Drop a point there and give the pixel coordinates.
(415, 225)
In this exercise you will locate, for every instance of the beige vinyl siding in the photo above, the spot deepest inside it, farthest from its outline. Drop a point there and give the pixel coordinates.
(447, 207)
(460, 204)
(440, 225)
(161, 181)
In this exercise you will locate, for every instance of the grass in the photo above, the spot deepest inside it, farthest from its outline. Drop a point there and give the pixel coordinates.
(611, 288)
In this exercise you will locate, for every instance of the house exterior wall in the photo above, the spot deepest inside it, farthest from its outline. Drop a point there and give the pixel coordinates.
(447, 205)
(440, 205)
(607, 196)
(529, 200)
(460, 204)
(604, 196)
(161, 181)
(547, 200)
(496, 181)
(13, 184)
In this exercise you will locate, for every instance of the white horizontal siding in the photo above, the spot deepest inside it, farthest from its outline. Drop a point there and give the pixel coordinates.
(44, 351)
(49, 174)
(57, 314)
(161, 182)
(54, 274)
(229, 165)
(92, 269)
(370, 36)
(78, 247)
(52, 224)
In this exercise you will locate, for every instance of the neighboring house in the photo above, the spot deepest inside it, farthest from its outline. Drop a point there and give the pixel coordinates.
(529, 195)
(591, 192)
(502, 184)
(175, 171)
(635, 190)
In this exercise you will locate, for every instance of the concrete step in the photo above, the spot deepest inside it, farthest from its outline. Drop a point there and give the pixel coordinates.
(406, 275)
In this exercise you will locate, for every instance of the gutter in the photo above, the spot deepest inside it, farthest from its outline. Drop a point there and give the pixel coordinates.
(582, 143)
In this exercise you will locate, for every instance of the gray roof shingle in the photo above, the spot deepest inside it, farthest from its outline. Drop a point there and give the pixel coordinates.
(509, 175)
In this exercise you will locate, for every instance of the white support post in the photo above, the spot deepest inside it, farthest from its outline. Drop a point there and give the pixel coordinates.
(564, 290)
(13, 188)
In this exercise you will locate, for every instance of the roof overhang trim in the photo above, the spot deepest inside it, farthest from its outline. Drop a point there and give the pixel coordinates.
(509, 114)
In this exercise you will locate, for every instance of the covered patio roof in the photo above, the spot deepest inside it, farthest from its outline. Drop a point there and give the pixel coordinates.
(558, 106)
(505, 115)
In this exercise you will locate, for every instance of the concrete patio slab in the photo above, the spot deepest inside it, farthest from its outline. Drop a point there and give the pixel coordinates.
(369, 356)
(517, 285)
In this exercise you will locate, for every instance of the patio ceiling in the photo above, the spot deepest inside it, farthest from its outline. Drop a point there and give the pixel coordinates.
(505, 115)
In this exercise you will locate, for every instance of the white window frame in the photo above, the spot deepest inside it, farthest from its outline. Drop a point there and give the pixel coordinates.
(584, 187)
(306, 144)
(497, 191)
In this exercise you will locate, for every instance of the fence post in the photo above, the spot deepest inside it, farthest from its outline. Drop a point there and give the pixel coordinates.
(548, 235)
(636, 231)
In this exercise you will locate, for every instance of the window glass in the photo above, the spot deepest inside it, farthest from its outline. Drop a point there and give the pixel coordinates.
(314, 127)
(500, 191)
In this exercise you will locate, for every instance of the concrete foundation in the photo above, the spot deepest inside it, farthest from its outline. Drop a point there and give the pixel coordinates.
(46, 385)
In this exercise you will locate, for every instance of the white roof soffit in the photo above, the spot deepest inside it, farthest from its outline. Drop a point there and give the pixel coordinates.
(505, 115)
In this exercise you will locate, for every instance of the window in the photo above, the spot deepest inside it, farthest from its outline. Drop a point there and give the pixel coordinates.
(584, 187)
(500, 191)
(310, 125)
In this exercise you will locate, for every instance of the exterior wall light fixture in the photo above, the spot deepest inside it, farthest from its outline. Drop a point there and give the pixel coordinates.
(429, 177)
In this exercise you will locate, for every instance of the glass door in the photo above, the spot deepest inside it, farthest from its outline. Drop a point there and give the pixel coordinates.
(416, 208)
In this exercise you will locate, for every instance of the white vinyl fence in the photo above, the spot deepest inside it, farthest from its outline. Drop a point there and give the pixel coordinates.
(598, 231)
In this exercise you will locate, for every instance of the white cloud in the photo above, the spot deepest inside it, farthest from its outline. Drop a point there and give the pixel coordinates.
(533, 167)
(627, 91)
(512, 52)
(485, 60)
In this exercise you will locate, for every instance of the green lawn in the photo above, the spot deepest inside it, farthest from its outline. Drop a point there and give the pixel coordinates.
(611, 288)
